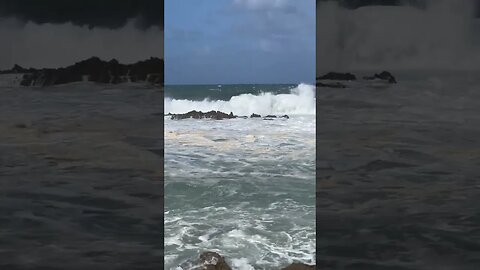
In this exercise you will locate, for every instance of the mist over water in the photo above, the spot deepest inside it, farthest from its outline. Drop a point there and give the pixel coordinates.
(439, 36)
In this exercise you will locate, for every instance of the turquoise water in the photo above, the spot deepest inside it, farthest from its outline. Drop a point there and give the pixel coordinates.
(242, 187)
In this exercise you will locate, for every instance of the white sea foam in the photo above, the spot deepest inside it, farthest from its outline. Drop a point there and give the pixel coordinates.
(300, 101)
(244, 187)
(242, 264)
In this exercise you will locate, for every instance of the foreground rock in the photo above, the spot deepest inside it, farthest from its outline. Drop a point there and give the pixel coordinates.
(385, 75)
(217, 115)
(337, 76)
(214, 261)
(94, 70)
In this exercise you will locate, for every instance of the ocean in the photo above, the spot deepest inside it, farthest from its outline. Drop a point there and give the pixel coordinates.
(81, 169)
(398, 173)
(244, 188)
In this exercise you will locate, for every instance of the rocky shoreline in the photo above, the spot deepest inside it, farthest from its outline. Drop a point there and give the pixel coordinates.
(218, 115)
(214, 261)
(337, 76)
(93, 70)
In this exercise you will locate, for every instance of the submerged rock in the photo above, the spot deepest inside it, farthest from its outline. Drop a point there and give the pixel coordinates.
(217, 115)
(385, 75)
(337, 76)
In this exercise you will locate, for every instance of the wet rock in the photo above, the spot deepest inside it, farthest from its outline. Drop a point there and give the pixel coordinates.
(299, 266)
(94, 70)
(21, 126)
(337, 76)
(213, 261)
(255, 115)
(285, 116)
(217, 115)
(271, 116)
(385, 75)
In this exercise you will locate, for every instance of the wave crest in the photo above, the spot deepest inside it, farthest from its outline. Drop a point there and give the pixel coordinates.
(300, 101)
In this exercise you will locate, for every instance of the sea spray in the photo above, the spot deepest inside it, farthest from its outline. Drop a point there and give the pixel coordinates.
(300, 101)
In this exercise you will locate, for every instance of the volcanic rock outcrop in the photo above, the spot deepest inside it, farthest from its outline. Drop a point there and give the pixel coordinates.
(214, 261)
(336, 76)
(94, 70)
(385, 75)
(217, 115)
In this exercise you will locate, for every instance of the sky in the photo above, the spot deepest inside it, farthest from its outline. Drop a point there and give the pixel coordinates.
(56, 33)
(376, 35)
(239, 41)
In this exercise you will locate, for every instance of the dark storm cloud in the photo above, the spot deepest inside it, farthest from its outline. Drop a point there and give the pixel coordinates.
(110, 14)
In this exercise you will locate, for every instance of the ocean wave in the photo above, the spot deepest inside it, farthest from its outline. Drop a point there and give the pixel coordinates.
(300, 101)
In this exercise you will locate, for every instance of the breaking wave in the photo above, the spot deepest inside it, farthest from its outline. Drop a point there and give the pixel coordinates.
(300, 101)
